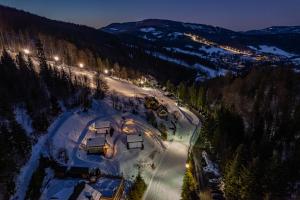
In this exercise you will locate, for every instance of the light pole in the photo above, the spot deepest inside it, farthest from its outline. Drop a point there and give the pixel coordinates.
(81, 65)
(56, 58)
(26, 51)
(187, 165)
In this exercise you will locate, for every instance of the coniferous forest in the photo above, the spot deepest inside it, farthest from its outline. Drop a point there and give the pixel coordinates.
(251, 127)
(43, 93)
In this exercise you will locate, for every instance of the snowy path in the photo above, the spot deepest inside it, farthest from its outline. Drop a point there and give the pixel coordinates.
(166, 182)
(167, 179)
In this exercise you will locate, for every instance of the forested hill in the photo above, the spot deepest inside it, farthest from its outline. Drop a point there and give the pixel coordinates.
(77, 43)
(42, 97)
(24, 27)
(253, 127)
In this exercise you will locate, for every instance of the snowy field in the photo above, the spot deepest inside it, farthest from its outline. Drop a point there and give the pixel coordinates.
(272, 50)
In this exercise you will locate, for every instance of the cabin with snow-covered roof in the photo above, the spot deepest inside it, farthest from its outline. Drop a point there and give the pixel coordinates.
(135, 141)
(101, 127)
(96, 145)
(89, 193)
(110, 188)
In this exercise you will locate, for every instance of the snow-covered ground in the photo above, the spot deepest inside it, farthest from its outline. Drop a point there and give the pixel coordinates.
(185, 52)
(210, 73)
(272, 50)
(147, 30)
(162, 163)
(165, 181)
(24, 120)
(27, 170)
(212, 49)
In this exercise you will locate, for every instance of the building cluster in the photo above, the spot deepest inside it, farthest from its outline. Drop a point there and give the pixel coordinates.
(97, 143)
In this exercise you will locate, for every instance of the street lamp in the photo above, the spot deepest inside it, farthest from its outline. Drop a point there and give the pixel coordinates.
(106, 71)
(56, 58)
(81, 65)
(187, 165)
(26, 51)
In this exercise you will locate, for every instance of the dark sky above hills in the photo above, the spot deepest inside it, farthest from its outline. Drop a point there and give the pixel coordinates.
(232, 14)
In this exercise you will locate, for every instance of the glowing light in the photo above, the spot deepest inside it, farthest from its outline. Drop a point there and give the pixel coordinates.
(187, 165)
(26, 51)
(81, 65)
(148, 133)
(106, 71)
(56, 58)
(130, 122)
(142, 82)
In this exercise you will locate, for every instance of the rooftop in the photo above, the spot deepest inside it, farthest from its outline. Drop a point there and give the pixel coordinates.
(89, 193)
(97, 141)
(107, 186)
(135, 138)
(102, 124)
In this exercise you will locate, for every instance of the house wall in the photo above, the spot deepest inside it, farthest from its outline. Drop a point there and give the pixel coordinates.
(99, 149)
(133, 145)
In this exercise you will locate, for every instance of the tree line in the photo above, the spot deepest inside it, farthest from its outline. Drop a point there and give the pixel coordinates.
(43, 92)
(252, 127)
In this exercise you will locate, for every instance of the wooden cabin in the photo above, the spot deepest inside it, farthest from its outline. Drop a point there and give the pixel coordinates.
(96, 145)
(101, 127)
(110, 188)
(135, 141)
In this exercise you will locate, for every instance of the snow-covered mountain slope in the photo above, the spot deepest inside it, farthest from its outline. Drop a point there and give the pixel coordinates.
(272, 50)
(277, 30)
(215, 49)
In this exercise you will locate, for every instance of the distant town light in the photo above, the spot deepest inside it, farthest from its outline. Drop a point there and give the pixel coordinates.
(81, 65)
(106, 71)
(187, 165)
(26, 51)
(56, 58)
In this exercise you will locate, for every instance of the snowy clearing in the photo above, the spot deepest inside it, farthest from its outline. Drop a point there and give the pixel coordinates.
(147, 30)
(212, 50)
(272, 50)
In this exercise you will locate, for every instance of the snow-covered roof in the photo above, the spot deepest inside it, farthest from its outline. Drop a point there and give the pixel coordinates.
(102, 124)
(107, 186)
(135, 138)
(89, 193)
(63, 194)
(95, 142)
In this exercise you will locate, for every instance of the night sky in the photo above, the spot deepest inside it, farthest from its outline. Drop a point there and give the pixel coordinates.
(232, 14)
